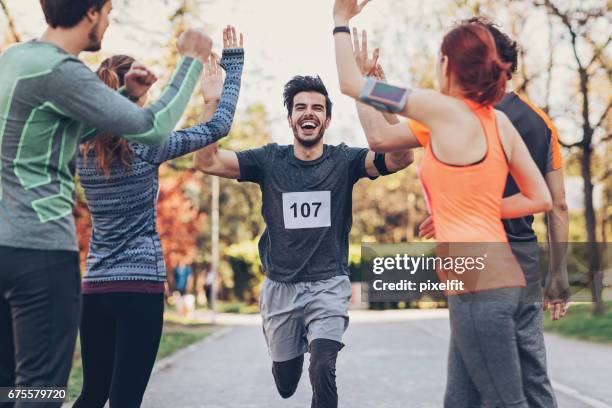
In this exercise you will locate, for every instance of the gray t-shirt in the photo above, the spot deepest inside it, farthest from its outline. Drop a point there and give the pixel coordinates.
(307, 207)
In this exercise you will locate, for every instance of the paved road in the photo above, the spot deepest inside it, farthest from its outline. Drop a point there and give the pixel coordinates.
(392, 360)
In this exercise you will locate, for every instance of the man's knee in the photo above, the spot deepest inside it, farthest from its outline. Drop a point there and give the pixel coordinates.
(287, 375)
(323, 354)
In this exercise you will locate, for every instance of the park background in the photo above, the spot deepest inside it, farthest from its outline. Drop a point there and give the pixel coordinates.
(565, 68)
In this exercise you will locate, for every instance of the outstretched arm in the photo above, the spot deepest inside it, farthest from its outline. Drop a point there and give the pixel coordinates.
(76, 92)
(209, 131)
(217, 162)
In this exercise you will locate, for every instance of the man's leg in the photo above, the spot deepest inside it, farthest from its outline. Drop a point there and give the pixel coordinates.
(322, 370)
(326, 315)
(7, 352)
(532, 352)
(287, 375)
(284, 331)
(44, 297)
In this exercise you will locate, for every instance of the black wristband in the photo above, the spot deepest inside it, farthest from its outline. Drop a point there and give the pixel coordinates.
(342, 29)
(379, 163)
(133, 98)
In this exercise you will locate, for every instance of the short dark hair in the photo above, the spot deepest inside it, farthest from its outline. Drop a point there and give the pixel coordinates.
(507, 48)
(68, 13)
(299, 84)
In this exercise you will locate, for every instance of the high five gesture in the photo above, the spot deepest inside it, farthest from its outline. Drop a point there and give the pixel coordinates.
(344, 10)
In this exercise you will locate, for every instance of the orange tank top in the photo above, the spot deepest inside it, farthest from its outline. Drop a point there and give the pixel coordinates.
(465, 203)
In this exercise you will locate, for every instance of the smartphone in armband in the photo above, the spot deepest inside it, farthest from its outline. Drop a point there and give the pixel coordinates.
(383, 96)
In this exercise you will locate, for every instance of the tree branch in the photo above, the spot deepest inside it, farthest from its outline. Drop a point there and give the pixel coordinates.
(604, 176)
(598, 52)
(11, 22)
(603, 115)
(566, 21)
(570, 145)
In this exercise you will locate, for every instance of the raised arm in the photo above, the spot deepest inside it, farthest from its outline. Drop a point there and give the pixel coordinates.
(423, 105)
(383, 130)
(218, 126)
(76, 92)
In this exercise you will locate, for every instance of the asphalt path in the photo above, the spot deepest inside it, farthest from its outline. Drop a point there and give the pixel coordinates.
(392, 359)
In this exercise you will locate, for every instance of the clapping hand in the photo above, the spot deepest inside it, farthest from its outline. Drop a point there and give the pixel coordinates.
(195, 44)
(367, 66)
(212, 80)
(230, 39)
(138, 80)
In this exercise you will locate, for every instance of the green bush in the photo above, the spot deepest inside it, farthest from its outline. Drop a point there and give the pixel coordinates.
(246, 269)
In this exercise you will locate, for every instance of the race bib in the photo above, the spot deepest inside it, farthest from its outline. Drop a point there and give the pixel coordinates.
(309, 209)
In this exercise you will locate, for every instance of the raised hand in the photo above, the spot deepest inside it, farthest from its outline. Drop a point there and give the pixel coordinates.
(195, 44)
(379, 73)
(367, 66)
(344, 10)
(230, 39)
(138, 80)
(212, 80)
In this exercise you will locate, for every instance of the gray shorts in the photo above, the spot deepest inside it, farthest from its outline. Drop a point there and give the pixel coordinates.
(294, 314)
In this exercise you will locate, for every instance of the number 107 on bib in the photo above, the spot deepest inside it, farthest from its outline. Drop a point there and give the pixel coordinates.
(308, 209)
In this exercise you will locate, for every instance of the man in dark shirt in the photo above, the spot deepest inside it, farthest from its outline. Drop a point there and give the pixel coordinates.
(307, 206)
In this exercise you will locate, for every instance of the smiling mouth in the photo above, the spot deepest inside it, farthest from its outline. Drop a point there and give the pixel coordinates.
(308, 125)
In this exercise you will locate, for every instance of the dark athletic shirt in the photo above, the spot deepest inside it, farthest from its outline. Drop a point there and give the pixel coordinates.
(307, 207)
(540, 136)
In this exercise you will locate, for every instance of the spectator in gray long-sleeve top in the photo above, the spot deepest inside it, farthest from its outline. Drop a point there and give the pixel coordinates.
(48, 101)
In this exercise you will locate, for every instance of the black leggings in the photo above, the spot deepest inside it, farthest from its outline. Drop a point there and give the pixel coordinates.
(120, 334)
(322, 370)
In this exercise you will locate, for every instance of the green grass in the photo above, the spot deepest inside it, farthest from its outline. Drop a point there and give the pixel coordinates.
(579, 323)
(174, 338)
(236, 307)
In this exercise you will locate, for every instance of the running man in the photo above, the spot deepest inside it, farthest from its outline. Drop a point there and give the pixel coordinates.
(307, 200)
(541, 138)
(49, 100)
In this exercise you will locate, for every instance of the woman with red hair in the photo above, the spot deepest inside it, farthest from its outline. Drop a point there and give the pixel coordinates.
(471, 150)
(123, 286)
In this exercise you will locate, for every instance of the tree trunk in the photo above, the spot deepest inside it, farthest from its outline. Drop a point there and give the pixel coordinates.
(11, 22)
(589, 210)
